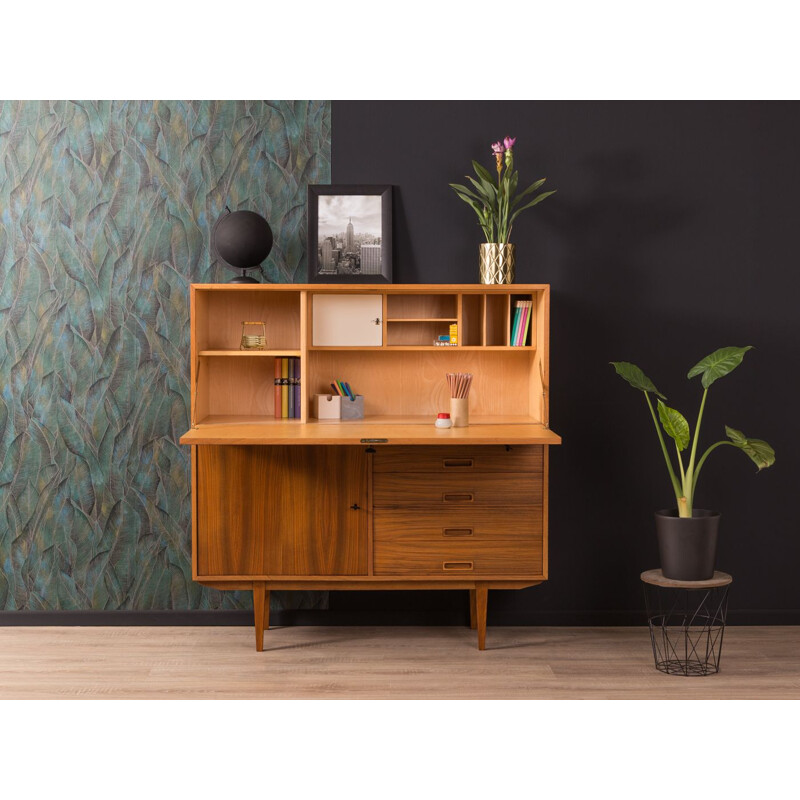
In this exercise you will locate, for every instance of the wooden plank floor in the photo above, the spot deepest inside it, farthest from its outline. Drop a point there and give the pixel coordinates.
(386, 662)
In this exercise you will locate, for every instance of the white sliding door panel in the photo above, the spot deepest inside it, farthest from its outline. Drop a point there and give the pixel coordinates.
(347, 320)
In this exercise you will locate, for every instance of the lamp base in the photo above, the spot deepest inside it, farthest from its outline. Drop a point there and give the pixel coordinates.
(244, 277)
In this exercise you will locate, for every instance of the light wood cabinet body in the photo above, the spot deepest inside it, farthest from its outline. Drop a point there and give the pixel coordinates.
(387, 502)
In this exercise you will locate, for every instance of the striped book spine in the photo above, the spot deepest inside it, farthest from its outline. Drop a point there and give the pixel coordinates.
(277, 388)
(284, 388)
(290, 392)
(297, 388)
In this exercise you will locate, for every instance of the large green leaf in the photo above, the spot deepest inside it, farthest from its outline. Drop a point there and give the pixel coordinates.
(718, 364)
(759, 451)
(635, 377)
(674, 424)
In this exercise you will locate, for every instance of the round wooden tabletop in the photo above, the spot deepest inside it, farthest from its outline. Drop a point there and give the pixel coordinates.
(656, 578)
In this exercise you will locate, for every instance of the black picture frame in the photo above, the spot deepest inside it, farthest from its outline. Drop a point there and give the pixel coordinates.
(321, 273)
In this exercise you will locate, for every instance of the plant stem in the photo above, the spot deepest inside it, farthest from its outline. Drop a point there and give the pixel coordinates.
(680, 464)
(675, 485)
(500, 232)
(703, 460)
(690, 480)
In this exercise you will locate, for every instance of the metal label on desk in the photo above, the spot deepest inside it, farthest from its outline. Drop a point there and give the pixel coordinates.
(374, 441)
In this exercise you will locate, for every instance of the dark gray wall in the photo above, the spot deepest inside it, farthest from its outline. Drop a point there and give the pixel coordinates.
(673, 233)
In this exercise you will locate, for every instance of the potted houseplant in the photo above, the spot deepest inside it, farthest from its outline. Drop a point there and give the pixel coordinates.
(497, 205)
(687, 536)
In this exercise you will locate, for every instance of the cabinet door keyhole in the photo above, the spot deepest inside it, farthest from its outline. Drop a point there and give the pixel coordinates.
(355, 507)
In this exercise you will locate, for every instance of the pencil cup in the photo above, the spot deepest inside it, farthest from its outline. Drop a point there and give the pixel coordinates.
(459, 411)
(353, 408)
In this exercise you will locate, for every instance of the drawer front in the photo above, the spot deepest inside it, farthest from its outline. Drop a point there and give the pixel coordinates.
(393, 489)
(459, 459)
(522, 525)
(458, 558)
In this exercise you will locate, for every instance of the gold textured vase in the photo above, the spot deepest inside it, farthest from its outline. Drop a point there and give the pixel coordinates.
(497, 263)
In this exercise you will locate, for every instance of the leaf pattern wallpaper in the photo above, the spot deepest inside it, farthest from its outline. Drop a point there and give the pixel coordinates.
(105, 217)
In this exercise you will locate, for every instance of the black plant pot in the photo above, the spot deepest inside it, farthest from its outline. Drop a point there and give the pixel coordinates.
(687, 546)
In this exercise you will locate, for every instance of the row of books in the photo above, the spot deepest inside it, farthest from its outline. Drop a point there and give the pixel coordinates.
(521, 323)
(287, 387)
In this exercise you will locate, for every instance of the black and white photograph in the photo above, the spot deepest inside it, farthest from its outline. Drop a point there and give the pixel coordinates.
(349, 234)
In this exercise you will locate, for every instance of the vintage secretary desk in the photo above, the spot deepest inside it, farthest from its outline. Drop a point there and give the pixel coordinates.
(388, 501)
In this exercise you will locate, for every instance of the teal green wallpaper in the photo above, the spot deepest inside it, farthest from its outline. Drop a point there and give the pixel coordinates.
(105, 211)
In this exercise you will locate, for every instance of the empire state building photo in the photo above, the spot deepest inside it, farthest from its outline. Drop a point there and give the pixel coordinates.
(349, 235)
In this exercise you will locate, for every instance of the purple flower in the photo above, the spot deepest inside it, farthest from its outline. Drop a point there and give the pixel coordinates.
(508, 142)
(497, 147)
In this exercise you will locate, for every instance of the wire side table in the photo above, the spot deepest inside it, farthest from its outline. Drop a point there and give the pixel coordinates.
(687, 622)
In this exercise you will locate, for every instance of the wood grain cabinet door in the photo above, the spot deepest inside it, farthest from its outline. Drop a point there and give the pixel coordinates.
(281, 510)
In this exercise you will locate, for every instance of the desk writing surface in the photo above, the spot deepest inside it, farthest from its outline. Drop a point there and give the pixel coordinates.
(407, 430)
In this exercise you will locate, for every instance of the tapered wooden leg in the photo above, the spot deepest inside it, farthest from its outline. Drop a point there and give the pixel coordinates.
(259, 596)
(266, 609)
(481, 602)
(473, 614)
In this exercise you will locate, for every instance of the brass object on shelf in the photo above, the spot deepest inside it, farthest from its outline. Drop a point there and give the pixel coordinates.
(254, 341)
(497, 263)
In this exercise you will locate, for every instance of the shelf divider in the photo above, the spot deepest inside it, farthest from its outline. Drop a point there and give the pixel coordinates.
(251, 353)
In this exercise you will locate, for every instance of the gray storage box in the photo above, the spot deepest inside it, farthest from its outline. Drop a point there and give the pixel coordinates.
(353, 409)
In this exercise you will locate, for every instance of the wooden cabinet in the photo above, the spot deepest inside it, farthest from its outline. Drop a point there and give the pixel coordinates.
(390, 501)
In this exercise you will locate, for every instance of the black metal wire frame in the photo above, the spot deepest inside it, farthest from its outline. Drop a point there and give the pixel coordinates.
(686, 634)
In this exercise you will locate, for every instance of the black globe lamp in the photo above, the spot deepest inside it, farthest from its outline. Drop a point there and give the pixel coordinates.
(242, 240)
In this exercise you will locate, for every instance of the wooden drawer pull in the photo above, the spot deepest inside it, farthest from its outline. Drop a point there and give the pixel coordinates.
(458, 462)
(456, 531)
(463, 497)
(457, 565)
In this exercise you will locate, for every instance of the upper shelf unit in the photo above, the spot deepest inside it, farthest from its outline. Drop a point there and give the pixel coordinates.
(379, 338)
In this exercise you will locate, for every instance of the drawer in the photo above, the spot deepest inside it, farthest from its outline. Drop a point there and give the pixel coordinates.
(392, 489)
(457, 558)
(459, 459)
(522, 524)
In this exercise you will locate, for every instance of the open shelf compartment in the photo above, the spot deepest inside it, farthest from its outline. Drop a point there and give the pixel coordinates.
(219, 316)
(241, 387)
(421, 307)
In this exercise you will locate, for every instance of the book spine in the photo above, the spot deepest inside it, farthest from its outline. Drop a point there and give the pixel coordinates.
(290, 412)
(297, 388)
(528, 310)
(277, 388)
(284, 388)
(515, 326)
